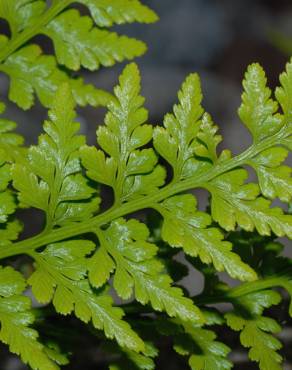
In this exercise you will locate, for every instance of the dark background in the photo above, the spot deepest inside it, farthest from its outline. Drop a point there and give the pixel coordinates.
(217, 39)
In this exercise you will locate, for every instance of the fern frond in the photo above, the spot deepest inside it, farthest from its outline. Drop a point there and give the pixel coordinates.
(77, 42)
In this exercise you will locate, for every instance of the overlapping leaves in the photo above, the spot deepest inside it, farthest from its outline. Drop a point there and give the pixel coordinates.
(73, 271)
(124, 249)
(51, 180)
(77, 43)
(255, 329)
(32, 72)
(60, 277)
(16, 319)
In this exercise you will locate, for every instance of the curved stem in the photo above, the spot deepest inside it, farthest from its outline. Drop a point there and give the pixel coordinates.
(148, 201)
(246, 288)
(32, 31)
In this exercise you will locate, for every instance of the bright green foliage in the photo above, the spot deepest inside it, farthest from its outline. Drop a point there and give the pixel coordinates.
(274, 179)
(77, 42)
(187, 228)
(9, 150)
(86, 249)
(258, 109)
(52, 182)
(52, 179)
(28, 68)
(21, 14)
(234, 202)
(90, 47)
(107, 12)
(256, 329)
(10, 142)
(177, 141)
(15, 321)
(124, 249)
(6, 197)
(208, 139)
(60, 277)
(129, 170)
(284, 93)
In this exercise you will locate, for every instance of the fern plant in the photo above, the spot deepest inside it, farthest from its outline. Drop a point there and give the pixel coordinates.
(85, 250)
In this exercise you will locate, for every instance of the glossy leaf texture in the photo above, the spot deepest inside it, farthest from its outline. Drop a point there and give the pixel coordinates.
(125, 251)
(51, 180)
(77, 41)
(88, 249)
(258, 110)
(131, 171)
(187, 228)
(176, 140)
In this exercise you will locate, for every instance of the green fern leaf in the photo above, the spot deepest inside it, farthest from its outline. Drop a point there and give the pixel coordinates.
(205, 353)
(274, 180)
(9, 152)
(77, 43)
(75, 40)
(52, 179)
(60, 278)
(124, 249)
(199, 345)
(256, 330)
(7, 202)
(15, 320)
(187, 228)
(258, 110)
(176, 141)
(10, 142)
(31, 73)
(284, 93)
(21, 14)
(129, 170)
(234, 202)
(208, 139)
(106, 12)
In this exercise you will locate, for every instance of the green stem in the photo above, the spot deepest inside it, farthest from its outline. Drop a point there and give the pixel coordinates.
(34, 30)
(246, 288)
(149, 201)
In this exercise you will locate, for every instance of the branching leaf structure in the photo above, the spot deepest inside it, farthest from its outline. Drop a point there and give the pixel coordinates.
(256, 329)
(78, 42)
(16, 318)
(85, 250)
